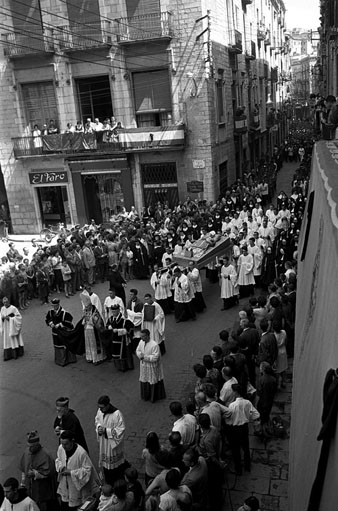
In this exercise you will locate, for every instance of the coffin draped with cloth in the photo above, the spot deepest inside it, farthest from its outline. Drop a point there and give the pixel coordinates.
(204, 251)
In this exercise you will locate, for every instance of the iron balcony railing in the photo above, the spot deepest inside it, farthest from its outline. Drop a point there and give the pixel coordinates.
(125, 140)
(21, 43)
(82, 36)
(148, 26)
(261, 31)
(66, 37)
(250, 51)
(236, 45)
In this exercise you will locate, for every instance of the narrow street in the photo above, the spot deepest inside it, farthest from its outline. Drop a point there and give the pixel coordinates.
(30, 385)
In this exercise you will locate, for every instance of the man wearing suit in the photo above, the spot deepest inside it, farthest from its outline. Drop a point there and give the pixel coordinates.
(88, 259)
(248, 342)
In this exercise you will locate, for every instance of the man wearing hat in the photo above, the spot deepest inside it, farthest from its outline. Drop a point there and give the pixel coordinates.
(58, 319)
(119, 346)
(38, 473)
(67, 420)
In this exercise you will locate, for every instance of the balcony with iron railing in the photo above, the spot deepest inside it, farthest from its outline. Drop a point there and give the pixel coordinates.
(103, 142)
(254, 120)
(261, 31)
(250, 52)
(23, 43)
(236, 43)
(267, 40)
(75, 36)
(144, 27)
(83, 35)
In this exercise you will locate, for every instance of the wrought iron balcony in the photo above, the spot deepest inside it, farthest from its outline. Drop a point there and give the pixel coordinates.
(22, 43)
(254, 120)
(236, 45)
(250, 52)
(241, 124)
(261, 31)
(267, 40)
(82, 36)
(144, 27)
(103, 142)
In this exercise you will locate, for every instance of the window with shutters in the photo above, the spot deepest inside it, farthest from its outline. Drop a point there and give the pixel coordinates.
(85, 21)
(26, 18)
(152, 97)
(142, 7)
(40, 103)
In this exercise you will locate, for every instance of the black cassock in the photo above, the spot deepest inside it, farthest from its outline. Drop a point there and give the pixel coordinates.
(140, 262)
(121, 345)
(67, 340)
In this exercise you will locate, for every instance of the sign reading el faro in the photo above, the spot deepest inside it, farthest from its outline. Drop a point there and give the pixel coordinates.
(48, 177)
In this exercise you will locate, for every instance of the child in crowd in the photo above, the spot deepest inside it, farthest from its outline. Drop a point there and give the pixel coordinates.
(66, 275)
(134, 485)
(106, 498)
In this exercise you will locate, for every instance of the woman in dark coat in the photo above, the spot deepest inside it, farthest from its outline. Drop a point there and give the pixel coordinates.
(140, 260)
(268, 268)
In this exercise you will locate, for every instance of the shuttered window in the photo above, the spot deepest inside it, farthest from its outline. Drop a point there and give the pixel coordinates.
(26, 18)
(152, 91)
(142, 7)
(40, 103)
(84, 19)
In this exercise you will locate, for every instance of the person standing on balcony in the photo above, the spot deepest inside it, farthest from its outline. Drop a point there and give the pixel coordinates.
(79, 127)
(37, 140)
(52, 129)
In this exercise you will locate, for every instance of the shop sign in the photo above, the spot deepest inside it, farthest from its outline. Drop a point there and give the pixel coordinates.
(48, 177)
(195, 186)
(198, 164)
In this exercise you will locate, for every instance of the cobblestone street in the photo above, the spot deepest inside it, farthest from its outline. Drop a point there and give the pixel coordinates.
(30, 385)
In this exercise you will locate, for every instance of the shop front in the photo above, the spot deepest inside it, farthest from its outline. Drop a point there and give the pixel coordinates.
(102, 188)
(52, 197)
(160, 183)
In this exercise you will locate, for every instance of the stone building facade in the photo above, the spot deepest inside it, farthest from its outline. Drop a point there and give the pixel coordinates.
(189, 80)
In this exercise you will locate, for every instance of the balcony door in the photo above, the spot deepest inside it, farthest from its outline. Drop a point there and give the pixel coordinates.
(40, 103)
(94, 98)
(85, 22)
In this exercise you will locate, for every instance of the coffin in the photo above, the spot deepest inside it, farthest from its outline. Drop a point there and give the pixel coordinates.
(202, 253)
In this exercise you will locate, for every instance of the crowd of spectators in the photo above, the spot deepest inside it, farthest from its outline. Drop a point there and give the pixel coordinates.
(238, 378)
(132, 243)
(106, 131)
